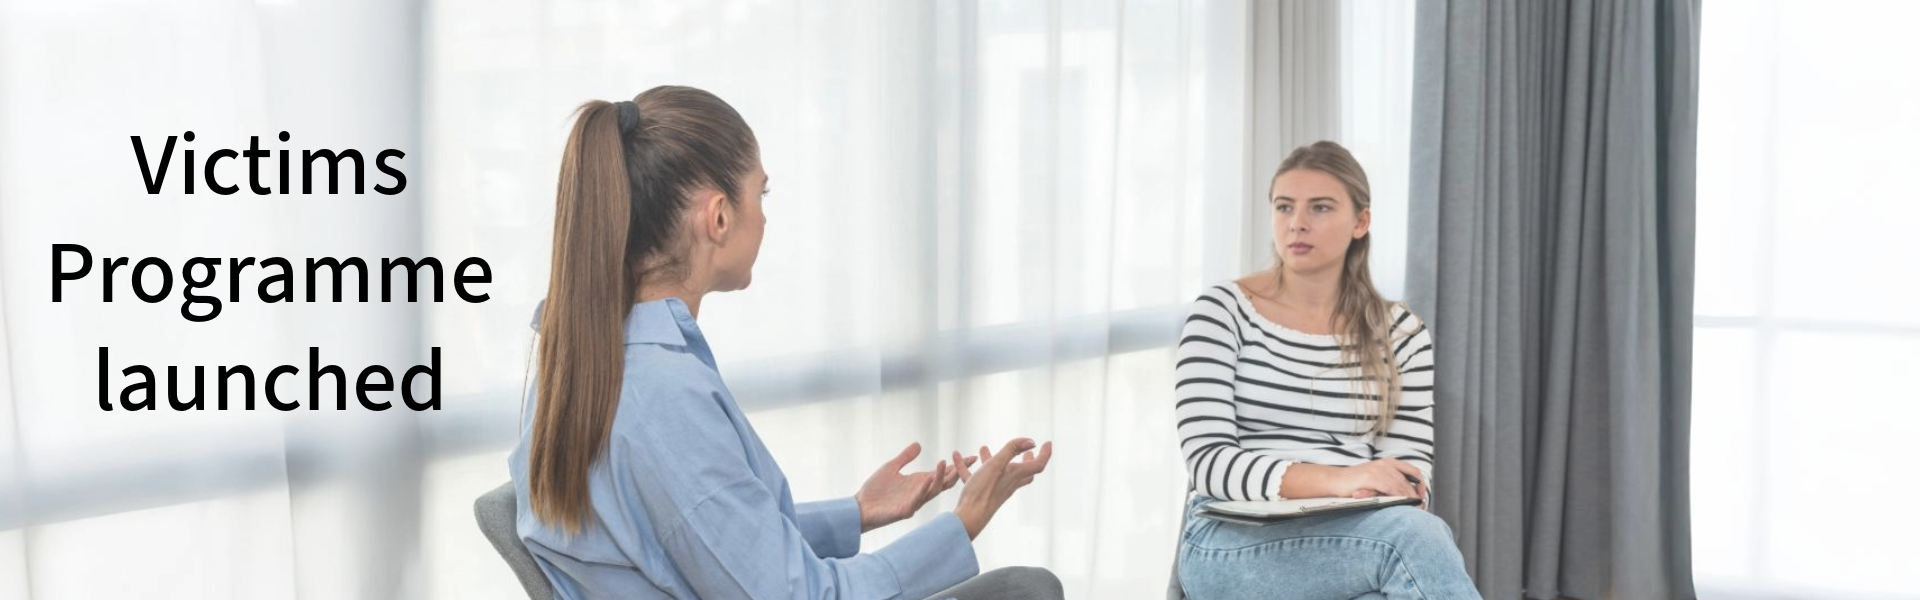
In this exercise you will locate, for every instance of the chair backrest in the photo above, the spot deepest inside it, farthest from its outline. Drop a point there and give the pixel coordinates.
(1174, 590)
(496, 511)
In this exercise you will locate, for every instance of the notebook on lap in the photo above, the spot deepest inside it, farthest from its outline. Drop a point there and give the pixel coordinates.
(1267, 512)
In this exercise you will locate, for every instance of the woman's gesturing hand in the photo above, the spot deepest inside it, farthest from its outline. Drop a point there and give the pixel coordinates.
(998, 476)
(890, 496)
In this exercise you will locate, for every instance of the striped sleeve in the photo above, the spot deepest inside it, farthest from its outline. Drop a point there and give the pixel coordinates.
(1410, 437)
(1208, 427)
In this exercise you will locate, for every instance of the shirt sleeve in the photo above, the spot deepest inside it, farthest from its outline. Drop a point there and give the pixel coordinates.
(832, 527)
(724, 531)
(1410, 436)
(1208, 424)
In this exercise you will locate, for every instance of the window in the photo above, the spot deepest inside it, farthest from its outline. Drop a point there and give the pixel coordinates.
(1805, 320)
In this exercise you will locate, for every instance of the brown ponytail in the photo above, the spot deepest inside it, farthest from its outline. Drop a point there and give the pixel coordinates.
(624, 182)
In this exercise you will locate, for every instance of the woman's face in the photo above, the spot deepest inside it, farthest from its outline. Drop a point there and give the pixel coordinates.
(1314, 221)
(733, 259)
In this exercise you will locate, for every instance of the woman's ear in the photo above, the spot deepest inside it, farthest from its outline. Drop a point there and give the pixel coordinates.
(713, 208)
(1366, 221)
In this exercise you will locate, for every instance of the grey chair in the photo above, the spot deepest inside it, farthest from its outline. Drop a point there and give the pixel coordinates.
(1174, 591)
(496, 511)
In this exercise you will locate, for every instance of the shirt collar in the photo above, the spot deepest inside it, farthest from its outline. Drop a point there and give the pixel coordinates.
(665, 322)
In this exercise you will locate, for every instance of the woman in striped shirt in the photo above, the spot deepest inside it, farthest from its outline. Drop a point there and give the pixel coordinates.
(1300, 381)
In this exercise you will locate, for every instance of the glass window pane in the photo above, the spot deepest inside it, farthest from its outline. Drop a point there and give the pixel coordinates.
(1846, 115)
(1833, 453)
(1734, 136)
(1726, 411)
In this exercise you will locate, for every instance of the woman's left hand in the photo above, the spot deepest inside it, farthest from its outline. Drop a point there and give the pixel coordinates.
(1420, 489)
(890, 496)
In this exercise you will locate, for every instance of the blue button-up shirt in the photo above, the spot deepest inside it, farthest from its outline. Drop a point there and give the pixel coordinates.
(687, 503)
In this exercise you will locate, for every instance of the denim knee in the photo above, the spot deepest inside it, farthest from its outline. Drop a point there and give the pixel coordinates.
(1413, 527)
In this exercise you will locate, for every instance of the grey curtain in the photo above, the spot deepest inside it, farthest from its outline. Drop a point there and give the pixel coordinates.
(1551, 250)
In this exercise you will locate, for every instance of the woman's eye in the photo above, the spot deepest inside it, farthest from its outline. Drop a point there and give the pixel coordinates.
(1322, 208)
(1285, 208)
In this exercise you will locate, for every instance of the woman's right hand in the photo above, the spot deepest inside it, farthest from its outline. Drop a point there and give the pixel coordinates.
(998, 475)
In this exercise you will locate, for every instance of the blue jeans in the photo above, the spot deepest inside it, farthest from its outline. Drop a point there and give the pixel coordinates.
(1393, 553)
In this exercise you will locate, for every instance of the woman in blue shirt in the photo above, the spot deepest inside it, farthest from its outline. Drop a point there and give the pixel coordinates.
(637, 475)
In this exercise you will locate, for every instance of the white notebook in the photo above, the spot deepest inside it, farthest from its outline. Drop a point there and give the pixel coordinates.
(1264, 512)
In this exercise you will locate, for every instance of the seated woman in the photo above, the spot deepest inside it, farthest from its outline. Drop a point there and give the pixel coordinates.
(637, 475)
(1300, 381)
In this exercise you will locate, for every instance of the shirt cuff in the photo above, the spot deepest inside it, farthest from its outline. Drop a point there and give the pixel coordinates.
(832, 527)
(934, 557)
(1279, 476)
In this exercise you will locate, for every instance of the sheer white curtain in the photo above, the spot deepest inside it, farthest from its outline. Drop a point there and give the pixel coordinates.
(168, 504)
(986, 221)
(1338, 70)
(1376, 98)
(1805, 321)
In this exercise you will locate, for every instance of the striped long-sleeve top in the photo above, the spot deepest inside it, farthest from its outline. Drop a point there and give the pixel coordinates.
(1254, 397)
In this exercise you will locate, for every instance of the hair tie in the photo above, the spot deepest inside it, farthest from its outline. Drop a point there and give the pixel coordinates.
(629, 115)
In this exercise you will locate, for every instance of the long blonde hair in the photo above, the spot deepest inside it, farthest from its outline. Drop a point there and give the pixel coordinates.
(1361, 313)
